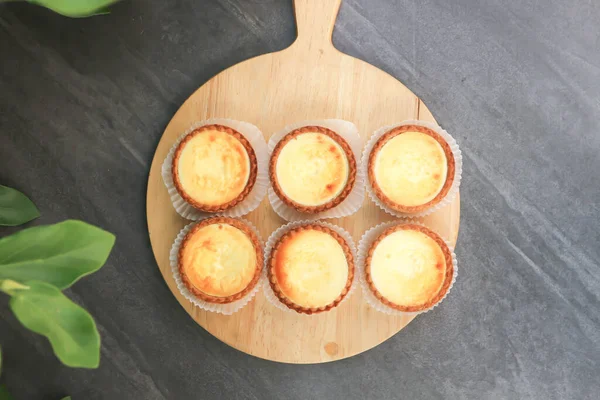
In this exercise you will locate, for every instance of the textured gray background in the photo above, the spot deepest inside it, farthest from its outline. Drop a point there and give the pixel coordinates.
(83, 104)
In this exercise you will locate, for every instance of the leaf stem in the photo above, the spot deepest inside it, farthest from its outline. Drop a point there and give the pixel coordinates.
(10, 287)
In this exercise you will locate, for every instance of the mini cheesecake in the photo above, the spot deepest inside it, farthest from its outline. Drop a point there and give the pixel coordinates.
(311, 269)
(220, 260)
(312, 169)
(411, 168)
(409, 268)
(214, 168)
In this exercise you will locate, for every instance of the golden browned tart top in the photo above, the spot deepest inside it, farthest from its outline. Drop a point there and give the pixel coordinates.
(214, 168)
(220, 259)
(409, 267)
(411, 168)
(311, 268)
(312, 169)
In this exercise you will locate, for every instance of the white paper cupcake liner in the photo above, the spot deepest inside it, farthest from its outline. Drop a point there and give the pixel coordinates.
(355, 199)
(457, 171)
(363, 248)
(275, 236)
(252, 201)
(226, 309)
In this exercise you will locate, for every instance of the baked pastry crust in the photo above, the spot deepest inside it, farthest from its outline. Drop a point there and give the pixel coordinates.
(272, 265)
(333, 202)
(447, 277)
(449, 176)
(253, 169)
(259, 259)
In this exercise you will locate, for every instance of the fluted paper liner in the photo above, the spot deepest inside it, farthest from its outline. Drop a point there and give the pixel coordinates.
(226, 309)
(252, 201)
(363, 249)
(457, 171)
(349, 132)
(275, 236)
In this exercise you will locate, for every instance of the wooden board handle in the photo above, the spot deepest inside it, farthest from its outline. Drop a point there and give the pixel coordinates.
(315, 20)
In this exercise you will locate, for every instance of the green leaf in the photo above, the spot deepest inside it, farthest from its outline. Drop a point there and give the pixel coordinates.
(10, 287)
(15, 207)
(4, 395)
(58, 254)
(76, 8)
(70, 329)
(66, 398)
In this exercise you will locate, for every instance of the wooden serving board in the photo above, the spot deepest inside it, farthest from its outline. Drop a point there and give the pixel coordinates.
(308, 80)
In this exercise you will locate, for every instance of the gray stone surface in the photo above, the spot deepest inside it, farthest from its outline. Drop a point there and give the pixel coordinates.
(83, 104)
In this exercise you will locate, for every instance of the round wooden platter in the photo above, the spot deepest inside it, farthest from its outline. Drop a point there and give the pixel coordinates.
(308, 80)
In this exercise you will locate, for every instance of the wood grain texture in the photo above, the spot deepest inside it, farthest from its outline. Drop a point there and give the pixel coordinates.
(308, 80)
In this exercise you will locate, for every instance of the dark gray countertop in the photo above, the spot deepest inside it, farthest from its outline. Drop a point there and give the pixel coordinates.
(83, 104)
